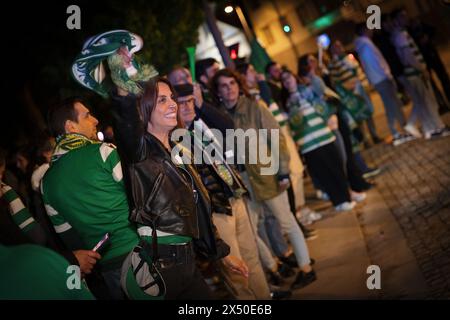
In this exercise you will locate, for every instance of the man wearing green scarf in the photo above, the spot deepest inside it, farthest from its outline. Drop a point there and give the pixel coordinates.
(84, 194)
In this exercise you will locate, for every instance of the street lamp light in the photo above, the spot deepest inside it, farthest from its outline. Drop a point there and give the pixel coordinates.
(229, 9)
(285, 25)
(240, 14)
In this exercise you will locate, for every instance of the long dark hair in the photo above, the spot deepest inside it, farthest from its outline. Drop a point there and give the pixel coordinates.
(284, 95)
(147, 102)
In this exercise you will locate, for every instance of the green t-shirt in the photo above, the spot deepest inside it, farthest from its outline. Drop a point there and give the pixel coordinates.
(31, 272)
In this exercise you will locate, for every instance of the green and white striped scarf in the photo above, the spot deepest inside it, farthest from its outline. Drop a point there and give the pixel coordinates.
(69, 142)
(279, 115)
(88, 67)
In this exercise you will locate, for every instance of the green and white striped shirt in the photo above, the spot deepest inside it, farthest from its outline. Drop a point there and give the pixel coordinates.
(279, 115)
(20, 214)
(409, 54)
(345, 70)
(308, 128)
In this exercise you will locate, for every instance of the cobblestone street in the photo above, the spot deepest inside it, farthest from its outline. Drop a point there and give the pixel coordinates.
(415, 185)
(403, 226)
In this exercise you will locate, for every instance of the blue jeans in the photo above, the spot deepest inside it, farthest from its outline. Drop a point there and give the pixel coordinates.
(425, 106)
(280, 208)
(112, 280)
(341, 147)
(270, 231)
(360, 162)
(392, 105)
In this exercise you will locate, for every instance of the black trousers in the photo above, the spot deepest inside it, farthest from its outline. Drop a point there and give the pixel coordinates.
(181, 275)
(435, 63)
(326, 165)
(354, 174)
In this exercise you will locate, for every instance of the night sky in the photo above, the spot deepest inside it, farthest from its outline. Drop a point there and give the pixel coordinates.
(35, 41)
(35, 36)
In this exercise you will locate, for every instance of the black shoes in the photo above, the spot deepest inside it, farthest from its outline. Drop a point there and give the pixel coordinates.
(308, 233)
(371, 172)
(377, 140)
(285, 270)
(303, 279)
(290, 260)
(275, 278)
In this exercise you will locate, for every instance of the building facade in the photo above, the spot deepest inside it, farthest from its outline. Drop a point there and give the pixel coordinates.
(307, 19)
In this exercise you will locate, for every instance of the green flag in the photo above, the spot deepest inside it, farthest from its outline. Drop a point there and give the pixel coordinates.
(191, 56)
(259, 57)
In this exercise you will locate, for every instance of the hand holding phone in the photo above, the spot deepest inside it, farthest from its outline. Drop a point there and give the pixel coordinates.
(101, 243)
(86, 260)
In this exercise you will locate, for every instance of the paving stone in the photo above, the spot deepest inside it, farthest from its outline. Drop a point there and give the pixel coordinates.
(416, 187)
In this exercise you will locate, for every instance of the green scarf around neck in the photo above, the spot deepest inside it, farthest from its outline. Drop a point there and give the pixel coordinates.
(69, 142)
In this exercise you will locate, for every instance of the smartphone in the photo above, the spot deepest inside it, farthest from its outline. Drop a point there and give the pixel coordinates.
(101, 243)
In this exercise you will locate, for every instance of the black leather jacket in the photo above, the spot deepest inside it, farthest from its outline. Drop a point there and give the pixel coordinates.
(162, 195)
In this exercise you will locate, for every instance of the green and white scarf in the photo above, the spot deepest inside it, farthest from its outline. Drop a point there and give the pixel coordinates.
(69, 142)
(88, 67)
(221, 166)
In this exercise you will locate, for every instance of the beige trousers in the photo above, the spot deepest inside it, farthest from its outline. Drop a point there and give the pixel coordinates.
(238, 233)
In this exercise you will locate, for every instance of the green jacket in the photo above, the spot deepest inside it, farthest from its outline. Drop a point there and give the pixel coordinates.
(250, 114)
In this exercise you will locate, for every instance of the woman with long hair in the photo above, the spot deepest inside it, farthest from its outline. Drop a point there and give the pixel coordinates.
(168, 201)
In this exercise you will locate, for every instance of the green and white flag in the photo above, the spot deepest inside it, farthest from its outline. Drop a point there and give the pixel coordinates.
(116, 46)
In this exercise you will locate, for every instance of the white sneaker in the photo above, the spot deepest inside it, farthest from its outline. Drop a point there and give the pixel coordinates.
(314, 216)
(305, 221)
(402, 138)
(306, 216)
(411, 129)
(345, 206)
(371, 173)
(322, 195)
(303, 218)
(358, 196)
(443, 132)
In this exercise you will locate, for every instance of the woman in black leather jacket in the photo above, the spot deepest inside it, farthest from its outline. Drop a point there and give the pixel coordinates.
(167, 200)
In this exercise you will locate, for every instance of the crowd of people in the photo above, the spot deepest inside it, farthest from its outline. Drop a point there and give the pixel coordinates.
(177, 230)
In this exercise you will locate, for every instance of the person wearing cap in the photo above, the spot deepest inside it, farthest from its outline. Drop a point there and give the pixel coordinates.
(205, 109)
(228, 206)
